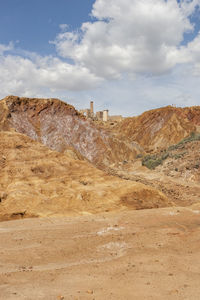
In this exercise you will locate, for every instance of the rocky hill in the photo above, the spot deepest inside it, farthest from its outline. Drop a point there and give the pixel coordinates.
(36, 181)
(49, 154)
(182, 160)
(60, 127)
(160, 128)
(174, 170)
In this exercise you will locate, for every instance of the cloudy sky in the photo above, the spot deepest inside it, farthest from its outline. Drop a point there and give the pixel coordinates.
(126, 55)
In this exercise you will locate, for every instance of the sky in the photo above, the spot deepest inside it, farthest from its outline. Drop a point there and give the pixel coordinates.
(127, 56)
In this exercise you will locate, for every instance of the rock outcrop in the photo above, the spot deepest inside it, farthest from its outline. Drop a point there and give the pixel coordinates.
(60, 127)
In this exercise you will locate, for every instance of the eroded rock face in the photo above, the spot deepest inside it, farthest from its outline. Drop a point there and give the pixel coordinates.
(59, 126)
(36, 181)
(183, 162)
(160, 128)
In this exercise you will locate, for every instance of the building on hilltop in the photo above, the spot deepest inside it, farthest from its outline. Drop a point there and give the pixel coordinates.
(88, 112)
(99, 115)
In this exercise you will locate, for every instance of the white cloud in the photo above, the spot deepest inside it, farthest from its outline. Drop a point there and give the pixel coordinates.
(188, 6)
(132, 97)
(4, 48)
(28, 76)
(130, 36)
(129, 52)
(63, 27)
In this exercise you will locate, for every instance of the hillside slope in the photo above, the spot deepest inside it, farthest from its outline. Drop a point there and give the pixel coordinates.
(59, 126)
(183, 160)
(36, 181)
(160, 128)
(175, 170)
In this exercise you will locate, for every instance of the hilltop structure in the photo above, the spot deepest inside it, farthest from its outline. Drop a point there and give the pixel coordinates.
(99, 115)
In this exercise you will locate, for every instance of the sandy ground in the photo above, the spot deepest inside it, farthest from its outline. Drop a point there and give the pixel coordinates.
(149, 254)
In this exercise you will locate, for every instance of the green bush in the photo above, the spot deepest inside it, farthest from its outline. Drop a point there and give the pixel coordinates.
(152, 161)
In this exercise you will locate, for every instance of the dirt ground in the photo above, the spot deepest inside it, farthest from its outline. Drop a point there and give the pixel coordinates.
(148, 254)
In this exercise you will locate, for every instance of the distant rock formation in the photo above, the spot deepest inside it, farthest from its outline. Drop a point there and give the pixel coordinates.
(160, 128)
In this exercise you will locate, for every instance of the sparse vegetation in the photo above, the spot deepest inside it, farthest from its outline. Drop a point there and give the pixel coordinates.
(194, 136)
(152, 161)
(138, 156)
(178, 155)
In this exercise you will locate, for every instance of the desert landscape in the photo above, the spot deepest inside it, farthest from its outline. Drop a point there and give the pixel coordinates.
(100, 150)
(98, 210)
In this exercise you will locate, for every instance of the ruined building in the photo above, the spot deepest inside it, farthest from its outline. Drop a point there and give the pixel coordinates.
(99, 115)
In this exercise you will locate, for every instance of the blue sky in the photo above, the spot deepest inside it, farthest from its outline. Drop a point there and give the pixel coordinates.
(35, 22)
(126, 55)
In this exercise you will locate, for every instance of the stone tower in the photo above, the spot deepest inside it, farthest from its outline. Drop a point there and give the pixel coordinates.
(91, 108)
(105, 115)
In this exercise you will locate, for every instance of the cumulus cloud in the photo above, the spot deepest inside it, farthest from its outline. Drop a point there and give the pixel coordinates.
(28, 76)
(188, 6)
(127, 40)
(130, 36)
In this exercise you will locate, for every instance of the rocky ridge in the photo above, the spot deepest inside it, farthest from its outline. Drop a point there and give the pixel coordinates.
(159, 128)
(60, 127)
(49, 154)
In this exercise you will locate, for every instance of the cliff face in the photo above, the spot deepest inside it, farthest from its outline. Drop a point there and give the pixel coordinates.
(160, 128)
(59, 126)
